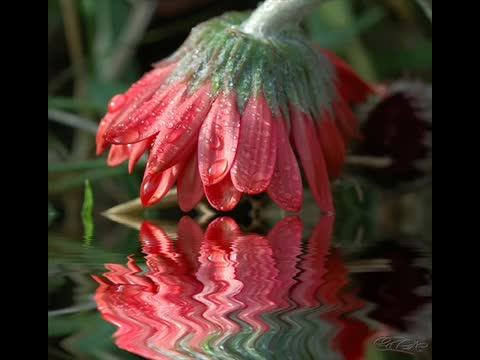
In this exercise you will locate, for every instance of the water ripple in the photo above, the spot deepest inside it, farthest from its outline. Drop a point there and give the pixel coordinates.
(225, 294)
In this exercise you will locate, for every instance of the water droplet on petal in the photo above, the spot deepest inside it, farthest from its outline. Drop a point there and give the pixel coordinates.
(116, 103)
(125, 137)
(215, 142)
(218, 168)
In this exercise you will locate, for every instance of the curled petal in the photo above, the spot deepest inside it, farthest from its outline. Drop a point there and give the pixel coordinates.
(155, 186)
(136, 152)
(218, 140)
(117, 155)
(189, 185)
(103, 144)
(257, 148)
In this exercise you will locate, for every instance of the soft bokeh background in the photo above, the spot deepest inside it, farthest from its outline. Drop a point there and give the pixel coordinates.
(97, 48)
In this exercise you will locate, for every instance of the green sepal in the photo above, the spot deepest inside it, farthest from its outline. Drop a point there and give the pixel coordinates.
(286, 68)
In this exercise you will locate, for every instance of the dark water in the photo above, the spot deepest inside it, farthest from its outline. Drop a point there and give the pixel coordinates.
(327, 288)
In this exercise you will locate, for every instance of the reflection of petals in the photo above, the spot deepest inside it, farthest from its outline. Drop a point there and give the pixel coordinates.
(217, 274)
(286, 241)
(256, 270)
(231, 293)
(313, 265)
(189, 240)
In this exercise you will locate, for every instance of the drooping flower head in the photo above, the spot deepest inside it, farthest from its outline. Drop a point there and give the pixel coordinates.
(227, 114)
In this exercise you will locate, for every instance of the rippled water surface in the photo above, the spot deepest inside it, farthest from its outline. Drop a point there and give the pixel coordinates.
(217, 289)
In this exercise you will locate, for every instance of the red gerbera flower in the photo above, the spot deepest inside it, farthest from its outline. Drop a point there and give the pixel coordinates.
(226, 113)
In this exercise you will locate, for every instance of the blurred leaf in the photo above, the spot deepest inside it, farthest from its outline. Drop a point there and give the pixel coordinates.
(427, 7)
(56, 149)
(331, 36)
(72, 120)
(112, 30)
(105, 20)
(71, 104)
(400, 61)
(65, 325)
(76, 166)
(87, 212)
(54, 17)
(101, 92)
(69, 183)
(338, 27)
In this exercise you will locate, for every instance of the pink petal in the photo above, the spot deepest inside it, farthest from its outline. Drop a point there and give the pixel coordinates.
(223, 196)
(286, 188)
(136, 152)
(173, 144)
(189, 185)
(350, 86)
(218, 139)
(257, 148)
(346, 121)
(155, 186)
(123, 104)
(333, 146)
(148, 118)
(103, 144)
(310, 153)
(117, 155)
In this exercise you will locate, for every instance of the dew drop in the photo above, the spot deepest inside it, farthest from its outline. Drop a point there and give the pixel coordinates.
(215, 142)
(218, 168)
(116, 103)
(125, 137)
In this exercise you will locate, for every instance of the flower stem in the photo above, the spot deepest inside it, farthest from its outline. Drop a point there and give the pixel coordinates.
(275, 15)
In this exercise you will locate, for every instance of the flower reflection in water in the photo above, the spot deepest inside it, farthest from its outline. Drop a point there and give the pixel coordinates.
(224, 294)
